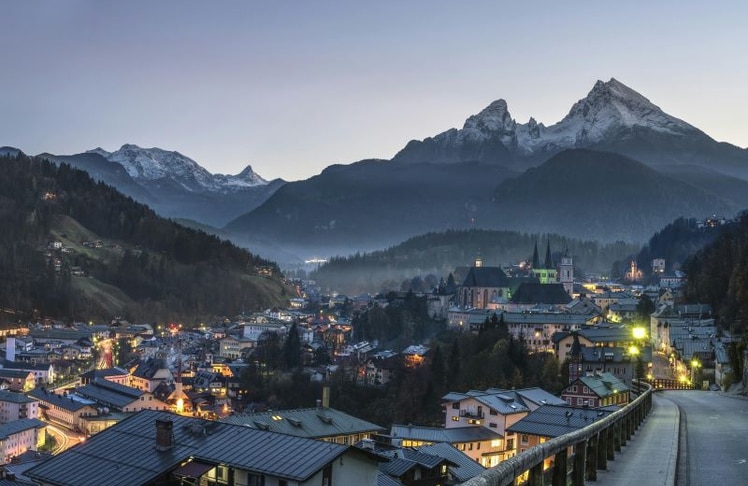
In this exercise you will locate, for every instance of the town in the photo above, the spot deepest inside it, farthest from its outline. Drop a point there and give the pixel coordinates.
(75, 392)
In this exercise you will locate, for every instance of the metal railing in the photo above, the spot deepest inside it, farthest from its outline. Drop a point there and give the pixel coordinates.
(592, 447)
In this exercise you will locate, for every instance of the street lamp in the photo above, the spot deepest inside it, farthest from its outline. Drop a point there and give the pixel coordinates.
(694, 365)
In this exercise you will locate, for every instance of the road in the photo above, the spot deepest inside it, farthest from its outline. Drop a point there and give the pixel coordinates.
(64, 437)
(714, 429)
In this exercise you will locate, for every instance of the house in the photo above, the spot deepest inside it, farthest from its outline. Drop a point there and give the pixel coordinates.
(149, 374)
(412, 467)
(119, 397)
(550, 421)
(482, 445)
(461, 466)
(602, 335)
(65, 408)
(17, 380)
(321, 423)
(115, 375)
(152, 447)
(379, 371)
(20, 436)
(17, 406)
(598, 389)
(475, 422)
(538, 328)
(231, 346)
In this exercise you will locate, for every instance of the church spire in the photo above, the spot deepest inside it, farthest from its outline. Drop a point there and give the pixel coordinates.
(548, 259)
(535, 257)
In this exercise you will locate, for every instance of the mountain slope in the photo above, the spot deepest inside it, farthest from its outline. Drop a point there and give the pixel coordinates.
(369, 205)
(113, 256)
(175, 186)
(612, 117)
(600, 195)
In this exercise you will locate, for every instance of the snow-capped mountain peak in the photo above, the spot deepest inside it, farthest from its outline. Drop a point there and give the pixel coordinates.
(155, 164)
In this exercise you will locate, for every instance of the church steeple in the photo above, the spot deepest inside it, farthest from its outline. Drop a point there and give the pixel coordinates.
(535, 257)
(548, 259)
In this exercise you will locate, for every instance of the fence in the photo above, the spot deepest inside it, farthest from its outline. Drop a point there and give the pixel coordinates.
(592, 447)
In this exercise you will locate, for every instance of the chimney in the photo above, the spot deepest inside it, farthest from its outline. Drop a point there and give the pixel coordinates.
(164, 435)
(10, 349)
(325, 397)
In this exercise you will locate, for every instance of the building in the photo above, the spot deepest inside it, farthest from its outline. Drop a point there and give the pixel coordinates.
(483, 286)
(321, 423)
(17, 380)
(595, 390)
(476, 421)
(149, 374)
(550, 421)
(547, 273)
(20, 436)
(152, 448)
(120, 397)
(64, 408)
(17, 406)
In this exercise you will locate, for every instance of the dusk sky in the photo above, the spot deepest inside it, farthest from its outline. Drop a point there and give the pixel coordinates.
(292, 87)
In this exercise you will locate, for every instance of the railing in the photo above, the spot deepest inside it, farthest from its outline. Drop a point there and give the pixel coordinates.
(593, 446)
(471, 414)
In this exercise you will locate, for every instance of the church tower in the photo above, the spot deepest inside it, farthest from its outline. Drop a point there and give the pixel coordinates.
(566, 275)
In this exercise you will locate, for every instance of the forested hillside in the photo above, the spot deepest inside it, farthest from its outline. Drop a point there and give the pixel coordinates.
(141, 266)
(440, 253)
(718, 275)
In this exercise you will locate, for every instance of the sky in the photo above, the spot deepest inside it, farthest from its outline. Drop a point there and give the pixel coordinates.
(291, 87)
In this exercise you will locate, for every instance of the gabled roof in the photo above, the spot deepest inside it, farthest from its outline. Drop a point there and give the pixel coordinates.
(16, 426)
(537, 293)
(109, 393)
(486, 277)
(452, 435)
(13, 397)
(557, 420)
(403, 460)
(125, 453)
(70, 402)
(507, 402)
(604, 384)
(462, 468)
(91, 374)
(306, 422)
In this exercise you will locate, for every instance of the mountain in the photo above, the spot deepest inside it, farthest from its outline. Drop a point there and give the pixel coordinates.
(612, 117)
(600, 195)
(174, 185)
(369, 205)
(74, 248)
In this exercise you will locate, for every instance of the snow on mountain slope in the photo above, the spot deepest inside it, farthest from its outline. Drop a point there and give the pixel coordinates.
(153, 164)
(608, 113)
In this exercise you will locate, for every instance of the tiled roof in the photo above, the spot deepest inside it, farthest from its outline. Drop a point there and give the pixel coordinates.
(13, 397)
(452, 435)
(604, 384)
(109, 393)
(16, 426)
(70, 402)
(557, 420)
(486, 277)
(537, 293)
(462, 468)
(507, 402)
(125, 453)
(306, 422)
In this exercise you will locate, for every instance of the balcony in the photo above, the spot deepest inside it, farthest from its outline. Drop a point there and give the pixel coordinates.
(472, 414)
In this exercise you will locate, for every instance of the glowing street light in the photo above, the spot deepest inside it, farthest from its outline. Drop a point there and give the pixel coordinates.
(639, 333)
(695, 363)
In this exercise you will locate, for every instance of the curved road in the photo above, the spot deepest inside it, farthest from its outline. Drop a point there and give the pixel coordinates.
(713, 439)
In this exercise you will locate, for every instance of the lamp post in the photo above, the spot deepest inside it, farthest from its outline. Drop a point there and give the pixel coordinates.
(634, 353)
(694, 365)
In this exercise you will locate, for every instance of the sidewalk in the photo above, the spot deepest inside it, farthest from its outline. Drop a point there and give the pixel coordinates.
(649, 457)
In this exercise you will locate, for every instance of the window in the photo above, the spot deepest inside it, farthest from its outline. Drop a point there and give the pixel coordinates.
(456, 406)
(493, 412)
(492, 425)
(525, 439)
(510, 444)
(455, 418)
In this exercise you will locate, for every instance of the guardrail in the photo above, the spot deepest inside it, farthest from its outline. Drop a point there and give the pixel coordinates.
(591, 448)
